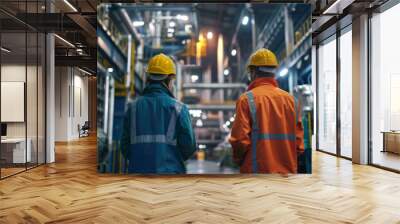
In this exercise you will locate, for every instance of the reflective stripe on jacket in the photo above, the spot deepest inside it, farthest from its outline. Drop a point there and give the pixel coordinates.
(267, 134)
(158, 135)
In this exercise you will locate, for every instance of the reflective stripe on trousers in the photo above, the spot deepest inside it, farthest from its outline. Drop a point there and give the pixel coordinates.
(167, 138)
(256, 136)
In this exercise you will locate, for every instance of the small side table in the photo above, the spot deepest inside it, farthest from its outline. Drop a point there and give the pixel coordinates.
(391, 141)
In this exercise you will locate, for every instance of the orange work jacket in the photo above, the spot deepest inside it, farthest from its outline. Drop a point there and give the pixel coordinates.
(267, 134)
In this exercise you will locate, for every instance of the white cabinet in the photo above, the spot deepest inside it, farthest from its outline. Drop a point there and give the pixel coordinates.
(19, 155)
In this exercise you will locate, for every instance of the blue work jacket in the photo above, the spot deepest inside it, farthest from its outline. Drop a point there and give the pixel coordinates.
(158, 135)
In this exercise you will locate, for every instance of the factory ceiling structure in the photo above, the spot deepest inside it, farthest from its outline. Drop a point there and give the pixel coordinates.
(74, 24)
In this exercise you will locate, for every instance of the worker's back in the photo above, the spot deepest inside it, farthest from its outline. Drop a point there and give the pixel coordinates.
(275, 115)
(158, 132)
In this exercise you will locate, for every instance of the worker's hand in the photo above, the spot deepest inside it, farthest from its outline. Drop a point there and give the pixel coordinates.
(284, 175)
(238, 156)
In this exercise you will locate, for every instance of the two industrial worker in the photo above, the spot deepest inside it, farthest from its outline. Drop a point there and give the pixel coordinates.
(267, 134)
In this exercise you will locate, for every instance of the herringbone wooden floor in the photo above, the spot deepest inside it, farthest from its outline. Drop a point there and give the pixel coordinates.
(71, 191)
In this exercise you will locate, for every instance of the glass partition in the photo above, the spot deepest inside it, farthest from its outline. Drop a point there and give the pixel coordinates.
(327, 96)
(14, 153)
(385, 89)
(22, 88)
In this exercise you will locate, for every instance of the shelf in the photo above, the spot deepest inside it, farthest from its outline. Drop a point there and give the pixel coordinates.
(299, 50)
(109, 50)
(138, 84)
(266, 36)
(117, 14)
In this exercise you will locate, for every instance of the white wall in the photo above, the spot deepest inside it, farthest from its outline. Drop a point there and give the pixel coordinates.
(71, 94)
(13, 73)
(33, 127)
(80, 94)
(61, 103)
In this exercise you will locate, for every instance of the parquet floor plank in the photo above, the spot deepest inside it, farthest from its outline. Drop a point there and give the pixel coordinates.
(71, 191)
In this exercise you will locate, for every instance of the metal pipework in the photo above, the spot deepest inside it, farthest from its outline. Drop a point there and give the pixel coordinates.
(125, 18)
(234, 39)
(253, 26)
(214, 86)
(211, 142)
(211, 107)
(190, 66)
(305, 95)
(289, 33)
(155, 8)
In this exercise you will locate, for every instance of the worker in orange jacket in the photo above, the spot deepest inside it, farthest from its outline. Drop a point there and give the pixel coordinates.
(267, 134)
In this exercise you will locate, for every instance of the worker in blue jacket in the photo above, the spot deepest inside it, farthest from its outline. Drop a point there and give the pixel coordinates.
(158, 136)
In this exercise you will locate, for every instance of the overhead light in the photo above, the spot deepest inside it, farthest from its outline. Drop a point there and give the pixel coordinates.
(192, 91)
(170, 35)
(233, 52)
(201, 38)
(194, 78)
(245, 20)
(199, 123)
(298, 65)
(226, 72)
(228, 123)
(195, 113)
(182, 17)
(188, 28)
(152, 27)
(171, 30)
(84, 71)
(183, 42)
(209, 35)
(138, 23)
(306, 57)
(201, 146)
(172, 24)
(232, 119)
(70, 5)
(110, 70)
(283, 72)
(64, 40)
(5, 50)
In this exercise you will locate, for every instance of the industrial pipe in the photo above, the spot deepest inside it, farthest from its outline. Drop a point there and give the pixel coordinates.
(214, 86)
(214, 107)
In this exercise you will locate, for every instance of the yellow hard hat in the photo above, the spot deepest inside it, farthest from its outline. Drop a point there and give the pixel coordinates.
(263, 57)
(160, 67)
